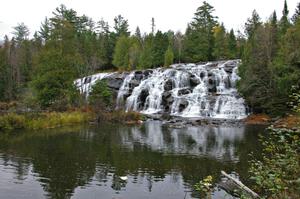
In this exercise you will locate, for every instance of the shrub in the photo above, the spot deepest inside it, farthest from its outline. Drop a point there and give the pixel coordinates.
(12, 121)
(278, 174)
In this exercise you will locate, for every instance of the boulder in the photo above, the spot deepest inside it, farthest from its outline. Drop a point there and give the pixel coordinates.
(115, 83)
(184, 91)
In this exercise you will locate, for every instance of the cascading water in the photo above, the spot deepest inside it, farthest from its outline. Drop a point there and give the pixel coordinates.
(190, 90)
(185, 90)
(85, 84)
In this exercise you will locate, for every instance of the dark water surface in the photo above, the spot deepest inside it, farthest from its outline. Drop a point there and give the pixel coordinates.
(89, 162)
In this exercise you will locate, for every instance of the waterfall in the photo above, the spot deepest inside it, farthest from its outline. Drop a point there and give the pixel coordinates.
(189, 90)
(206, 90)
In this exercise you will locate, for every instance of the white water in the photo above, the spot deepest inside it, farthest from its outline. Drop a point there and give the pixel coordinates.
(224, 103)
(214, 96)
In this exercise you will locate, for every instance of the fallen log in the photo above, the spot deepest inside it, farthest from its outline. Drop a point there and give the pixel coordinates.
(240, 185)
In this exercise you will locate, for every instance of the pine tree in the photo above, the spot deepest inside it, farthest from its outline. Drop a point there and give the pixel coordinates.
(296, 16)
(232, 46)
(199, 39)
(252, 24)
(121, 26)
(220, 48)
(284, 23)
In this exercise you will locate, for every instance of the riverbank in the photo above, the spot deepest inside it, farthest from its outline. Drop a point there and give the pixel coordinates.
(45, 120)
(42, 120)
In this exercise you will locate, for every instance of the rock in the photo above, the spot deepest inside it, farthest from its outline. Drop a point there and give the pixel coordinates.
(134, 83)
(202, 75)
(194, 81)
(183, 105)
(167, 100)
(114, 83)
(138, 75)
(212, 85)
(184, 91)
(142, 97)
(168, 85)
(147, 73)
(87, 80)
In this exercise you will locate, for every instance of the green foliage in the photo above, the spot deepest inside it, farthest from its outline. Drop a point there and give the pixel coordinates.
(121, 54)
(169, 57)
(220, 49)
(53, 82)
(295, 99)
(270, 65)
(199, 38)
(205, 186)
(12, 121)
(277, 174)
(101, 96)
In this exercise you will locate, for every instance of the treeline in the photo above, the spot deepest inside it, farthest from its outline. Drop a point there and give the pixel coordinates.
(271, 62)
(41, 70)
(69, 46)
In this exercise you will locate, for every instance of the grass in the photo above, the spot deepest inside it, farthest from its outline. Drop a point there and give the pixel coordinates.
(43, 120)
(129, 117)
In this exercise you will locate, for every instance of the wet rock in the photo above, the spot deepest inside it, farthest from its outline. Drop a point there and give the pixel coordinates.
(142, 97)
(212, 85)
(202, 75)
(87, 80)
(147, 73)
(134, 83)
(138, 75)
(168, 85)
(184, 91)
(167, 100)
(228, 67)
(194, 81)
(183, 105)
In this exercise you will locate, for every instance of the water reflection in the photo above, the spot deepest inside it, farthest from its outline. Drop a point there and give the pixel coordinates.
(89, 162)
(215, 142)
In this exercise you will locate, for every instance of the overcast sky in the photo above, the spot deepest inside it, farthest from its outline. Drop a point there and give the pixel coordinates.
(168, 14)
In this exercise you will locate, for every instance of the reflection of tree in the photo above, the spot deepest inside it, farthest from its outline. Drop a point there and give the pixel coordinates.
(66, 161)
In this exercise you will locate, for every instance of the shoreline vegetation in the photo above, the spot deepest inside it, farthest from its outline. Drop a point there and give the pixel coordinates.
(47, 120)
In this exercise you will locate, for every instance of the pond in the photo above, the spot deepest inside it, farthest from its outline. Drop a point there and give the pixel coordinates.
(128, 162)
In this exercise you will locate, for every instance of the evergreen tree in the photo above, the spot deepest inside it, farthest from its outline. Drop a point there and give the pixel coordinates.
(284, 23)
(121, 53)
(169, 57)
(159, 47)
(232, 46)
(252, 24)
(220, 49)
(199, 39)
(146, 57)
(121, 26)
(296, 16)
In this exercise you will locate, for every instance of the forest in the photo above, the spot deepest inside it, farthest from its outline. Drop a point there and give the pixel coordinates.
(39, 71)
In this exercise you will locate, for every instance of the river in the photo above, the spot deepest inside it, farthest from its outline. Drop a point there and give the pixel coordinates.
(154, 161)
